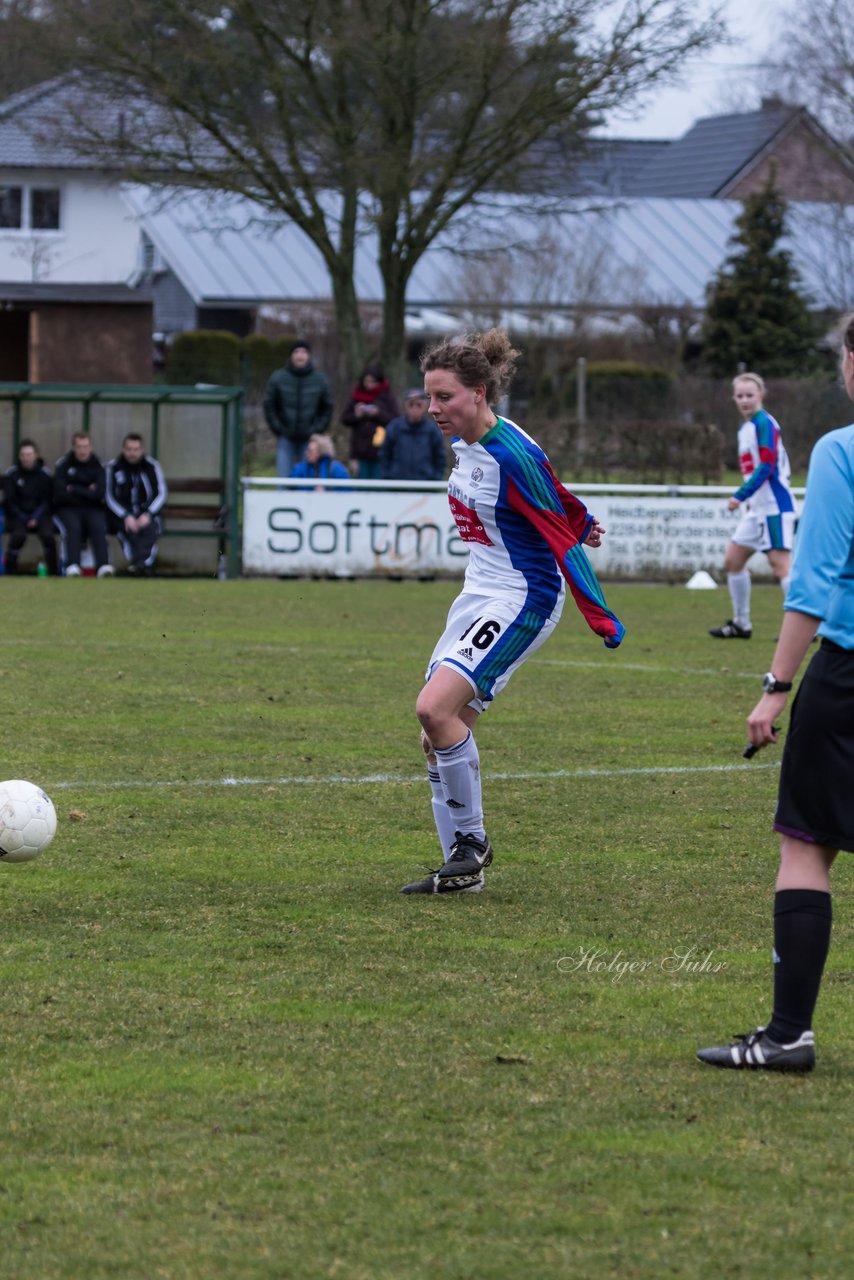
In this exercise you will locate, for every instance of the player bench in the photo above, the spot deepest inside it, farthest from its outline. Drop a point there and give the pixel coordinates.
(196, 501)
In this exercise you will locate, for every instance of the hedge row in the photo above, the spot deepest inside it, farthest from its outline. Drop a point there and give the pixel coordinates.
(214, 356)
(612, 388)
(668, 451)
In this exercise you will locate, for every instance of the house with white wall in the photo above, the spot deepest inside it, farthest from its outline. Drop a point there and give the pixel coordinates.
(71, 306)
(90, 268)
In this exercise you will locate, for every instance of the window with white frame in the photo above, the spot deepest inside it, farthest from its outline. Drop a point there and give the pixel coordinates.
(29, 208)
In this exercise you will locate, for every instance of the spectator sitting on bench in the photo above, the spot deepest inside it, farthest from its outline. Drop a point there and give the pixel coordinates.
(78, 504)
(28, 491)
(320, 462)
(136, 491)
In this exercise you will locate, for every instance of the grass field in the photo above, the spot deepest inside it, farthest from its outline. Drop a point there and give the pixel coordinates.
(232, 1050)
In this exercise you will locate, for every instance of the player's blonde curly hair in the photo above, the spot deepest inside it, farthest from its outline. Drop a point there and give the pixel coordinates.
(487, 359)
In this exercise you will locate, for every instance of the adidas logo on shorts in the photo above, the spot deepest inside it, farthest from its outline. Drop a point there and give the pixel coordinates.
(465, 653)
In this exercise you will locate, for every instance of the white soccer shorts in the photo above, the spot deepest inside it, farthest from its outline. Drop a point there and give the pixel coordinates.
(486, 639)
(766, 532)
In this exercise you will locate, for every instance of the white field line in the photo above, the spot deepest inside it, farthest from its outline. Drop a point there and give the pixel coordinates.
(387, 779)
(639, 666)
(610, 665)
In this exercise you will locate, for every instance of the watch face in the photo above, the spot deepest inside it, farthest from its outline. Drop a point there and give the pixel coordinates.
(772, 685)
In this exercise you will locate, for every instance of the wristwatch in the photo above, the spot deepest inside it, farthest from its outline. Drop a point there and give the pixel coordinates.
(771, 684)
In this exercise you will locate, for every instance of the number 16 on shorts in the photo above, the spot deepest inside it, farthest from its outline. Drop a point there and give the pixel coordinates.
(486, 640)
(485, 634)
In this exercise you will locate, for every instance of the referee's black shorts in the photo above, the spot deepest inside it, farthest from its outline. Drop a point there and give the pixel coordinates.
(816, 798)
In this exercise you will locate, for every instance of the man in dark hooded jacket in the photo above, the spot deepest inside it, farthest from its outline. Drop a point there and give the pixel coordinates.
(28, 489)
(297, 404)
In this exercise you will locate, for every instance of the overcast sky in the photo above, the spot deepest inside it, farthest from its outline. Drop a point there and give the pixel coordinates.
(725, 79)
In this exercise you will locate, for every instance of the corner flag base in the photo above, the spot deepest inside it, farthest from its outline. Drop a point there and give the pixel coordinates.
(701, 581)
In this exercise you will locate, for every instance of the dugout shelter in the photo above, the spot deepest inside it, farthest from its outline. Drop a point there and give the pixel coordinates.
(196, 434)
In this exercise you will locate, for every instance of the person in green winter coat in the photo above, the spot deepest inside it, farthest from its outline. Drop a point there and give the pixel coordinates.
(297, 405)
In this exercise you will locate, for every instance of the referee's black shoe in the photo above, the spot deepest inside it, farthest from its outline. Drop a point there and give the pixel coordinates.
(434, 884)
(731, 631)
(758, 1052)
(468, 856)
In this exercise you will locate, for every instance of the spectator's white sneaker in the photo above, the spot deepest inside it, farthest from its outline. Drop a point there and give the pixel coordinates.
(106, 571)
(73, 571)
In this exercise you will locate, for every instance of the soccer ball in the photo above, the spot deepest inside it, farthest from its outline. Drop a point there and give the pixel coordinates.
(27, 821)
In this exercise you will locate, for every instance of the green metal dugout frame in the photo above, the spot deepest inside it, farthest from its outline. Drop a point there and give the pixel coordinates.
(229, 400)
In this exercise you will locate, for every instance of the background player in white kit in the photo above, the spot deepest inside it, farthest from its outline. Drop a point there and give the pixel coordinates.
(768, 520)
(525, 532)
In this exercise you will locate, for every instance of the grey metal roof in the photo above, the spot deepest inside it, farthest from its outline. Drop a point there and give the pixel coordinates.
(702, 162)
(614, 256)
(224, 249)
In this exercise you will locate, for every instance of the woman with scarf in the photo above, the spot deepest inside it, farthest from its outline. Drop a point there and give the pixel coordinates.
(370, 409)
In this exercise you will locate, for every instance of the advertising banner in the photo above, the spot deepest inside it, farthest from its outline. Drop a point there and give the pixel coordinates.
(354, 533)
(661, 537)
(349, 533)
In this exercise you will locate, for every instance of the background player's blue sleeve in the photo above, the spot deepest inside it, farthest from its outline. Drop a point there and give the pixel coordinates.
(766, 442)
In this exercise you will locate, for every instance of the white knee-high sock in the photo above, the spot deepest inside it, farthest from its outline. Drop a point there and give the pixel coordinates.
(739, 593)
(441, 813)
(459, 769)
(784, 583)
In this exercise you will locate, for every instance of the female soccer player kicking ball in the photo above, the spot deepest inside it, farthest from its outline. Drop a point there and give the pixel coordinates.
(525, 530)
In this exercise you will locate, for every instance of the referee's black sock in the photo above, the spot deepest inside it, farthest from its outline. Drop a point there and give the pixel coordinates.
(802, 920)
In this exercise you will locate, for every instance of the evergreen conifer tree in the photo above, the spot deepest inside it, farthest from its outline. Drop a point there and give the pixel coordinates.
(757, 314)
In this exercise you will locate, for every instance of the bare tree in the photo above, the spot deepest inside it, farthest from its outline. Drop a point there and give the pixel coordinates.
(817, 55)
(25, 55)
(348, 116)
(827, 252)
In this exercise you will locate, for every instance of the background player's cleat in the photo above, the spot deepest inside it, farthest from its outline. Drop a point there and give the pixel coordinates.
(731, 631)
(757, 1051)
(468, 856)
(433, 884)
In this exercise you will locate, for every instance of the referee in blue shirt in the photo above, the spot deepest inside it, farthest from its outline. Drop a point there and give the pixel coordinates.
(815, 807)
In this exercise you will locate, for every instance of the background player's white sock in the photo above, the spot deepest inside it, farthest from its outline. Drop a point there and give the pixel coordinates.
(441, 813)
(459, 769)
(739, 593)
(784, 583)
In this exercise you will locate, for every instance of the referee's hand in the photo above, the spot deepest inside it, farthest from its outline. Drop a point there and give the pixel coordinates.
(761, 729)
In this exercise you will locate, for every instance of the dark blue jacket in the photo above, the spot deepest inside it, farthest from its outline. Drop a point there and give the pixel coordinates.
(413, 451)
